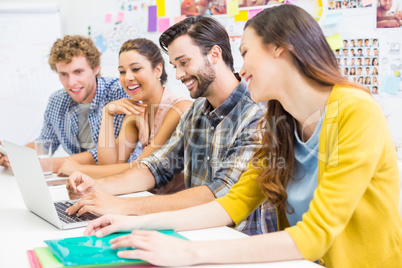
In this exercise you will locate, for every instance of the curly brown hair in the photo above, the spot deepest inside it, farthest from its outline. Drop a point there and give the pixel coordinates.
(63, 50)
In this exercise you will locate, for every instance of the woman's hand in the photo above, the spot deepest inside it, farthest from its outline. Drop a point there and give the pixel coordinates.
(125, 106)
(155, 248)
(108, 224)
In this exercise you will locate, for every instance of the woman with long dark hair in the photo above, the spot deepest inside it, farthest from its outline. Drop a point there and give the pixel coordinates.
(327, 163)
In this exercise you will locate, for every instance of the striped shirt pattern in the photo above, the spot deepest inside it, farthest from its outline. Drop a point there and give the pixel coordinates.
(213, 148)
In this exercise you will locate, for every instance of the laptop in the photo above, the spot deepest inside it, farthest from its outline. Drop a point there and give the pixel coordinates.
(35, 192)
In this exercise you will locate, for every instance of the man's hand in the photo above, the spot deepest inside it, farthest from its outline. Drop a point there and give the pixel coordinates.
(79, 184)
(68, 167)
(4, 160)
(98, 202)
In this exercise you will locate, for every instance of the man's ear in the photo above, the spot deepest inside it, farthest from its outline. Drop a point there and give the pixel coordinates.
(96, 70)
(215, 53)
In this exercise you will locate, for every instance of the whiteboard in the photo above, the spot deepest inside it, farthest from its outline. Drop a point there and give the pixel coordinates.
(27, 32)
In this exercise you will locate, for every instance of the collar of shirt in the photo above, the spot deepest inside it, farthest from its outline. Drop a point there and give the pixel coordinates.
(225, 108)
(99, 95)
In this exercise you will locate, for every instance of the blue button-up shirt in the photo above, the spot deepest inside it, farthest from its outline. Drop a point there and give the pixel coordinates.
(61, 119)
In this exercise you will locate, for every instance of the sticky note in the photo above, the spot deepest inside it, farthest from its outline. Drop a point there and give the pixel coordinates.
(108, 18)
(233, 8)
(152, 19)
(390, 84)
(242, 16)
(179, 19)
(163, 24)
(281, 1)
(333, 18)
(367, 2)
(120, 16)
(335, 41)
(253, 12)
(161, 7)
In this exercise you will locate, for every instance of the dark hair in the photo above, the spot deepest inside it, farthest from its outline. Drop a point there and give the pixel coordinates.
(205, 32)
(303, 38)
(148, 49)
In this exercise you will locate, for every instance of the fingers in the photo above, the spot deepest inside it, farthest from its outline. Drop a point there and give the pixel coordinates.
(136, 240)
(80, 207)
(4, 161)
(125, 106)
(79, 184)
(102, 226)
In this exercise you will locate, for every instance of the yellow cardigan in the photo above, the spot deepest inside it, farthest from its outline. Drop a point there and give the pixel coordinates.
(353, 219)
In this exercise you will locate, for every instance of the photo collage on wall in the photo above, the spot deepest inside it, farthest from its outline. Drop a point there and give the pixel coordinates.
(345, 4)
(358, 60)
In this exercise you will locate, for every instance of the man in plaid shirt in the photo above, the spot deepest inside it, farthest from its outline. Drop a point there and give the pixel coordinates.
(73, 115)
(212, 144)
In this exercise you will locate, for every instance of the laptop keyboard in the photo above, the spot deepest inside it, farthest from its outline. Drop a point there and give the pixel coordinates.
(64, 217)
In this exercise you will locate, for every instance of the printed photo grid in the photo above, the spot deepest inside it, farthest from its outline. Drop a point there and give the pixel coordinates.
(345, 4)
(358, 60)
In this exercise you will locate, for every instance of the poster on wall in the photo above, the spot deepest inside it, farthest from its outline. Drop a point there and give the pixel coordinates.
(255, 3)
(347, 4)
(203, 7)
(389, 14)
(359, 61)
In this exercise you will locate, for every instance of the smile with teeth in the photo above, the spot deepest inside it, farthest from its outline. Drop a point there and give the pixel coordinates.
(131, 88)
(76, 89)
(189, 83)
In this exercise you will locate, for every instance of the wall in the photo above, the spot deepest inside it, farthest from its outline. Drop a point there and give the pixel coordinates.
(76, 16)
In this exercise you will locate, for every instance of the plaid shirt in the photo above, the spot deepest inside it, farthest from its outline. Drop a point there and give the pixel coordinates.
(213, 148)
(61, 119)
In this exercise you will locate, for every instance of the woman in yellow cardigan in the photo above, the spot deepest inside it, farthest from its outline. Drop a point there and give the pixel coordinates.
(327, 162)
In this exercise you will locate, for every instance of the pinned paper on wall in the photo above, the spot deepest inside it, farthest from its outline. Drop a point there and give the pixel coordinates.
(120, 16)
(390, 84)
(108, 18)
(161, 7)
(367, 2)
(335, 41)
(233, 8)
(333, 18)
(179, 19)
(152, 19)
(253, 12)
(163, 24)
(242, 16)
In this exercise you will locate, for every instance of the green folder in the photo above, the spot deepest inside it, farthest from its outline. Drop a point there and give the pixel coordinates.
(86, 251)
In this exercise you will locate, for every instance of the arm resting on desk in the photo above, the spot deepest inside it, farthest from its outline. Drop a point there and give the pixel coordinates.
(162, 250)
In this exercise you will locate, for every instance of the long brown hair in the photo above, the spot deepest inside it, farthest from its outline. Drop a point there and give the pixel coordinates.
(293, 29)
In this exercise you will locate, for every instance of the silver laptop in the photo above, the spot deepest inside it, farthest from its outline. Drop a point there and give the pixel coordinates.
(35, 192)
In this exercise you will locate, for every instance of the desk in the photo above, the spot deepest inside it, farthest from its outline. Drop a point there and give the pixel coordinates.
(22, 230)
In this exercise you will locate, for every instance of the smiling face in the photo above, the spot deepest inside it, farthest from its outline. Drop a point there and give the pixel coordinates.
(193, 68)
(259, 68)
(137, 76)
(78, 79)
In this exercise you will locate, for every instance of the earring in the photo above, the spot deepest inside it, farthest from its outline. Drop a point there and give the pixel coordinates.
(159, 78)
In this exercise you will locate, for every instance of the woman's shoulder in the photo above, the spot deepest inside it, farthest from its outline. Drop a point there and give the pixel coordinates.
(346, 100)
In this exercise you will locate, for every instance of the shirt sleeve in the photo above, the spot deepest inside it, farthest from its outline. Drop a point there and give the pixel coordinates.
(356, 143)
(244, 197)
(234, 163)
(166, 162)
(48, 132)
